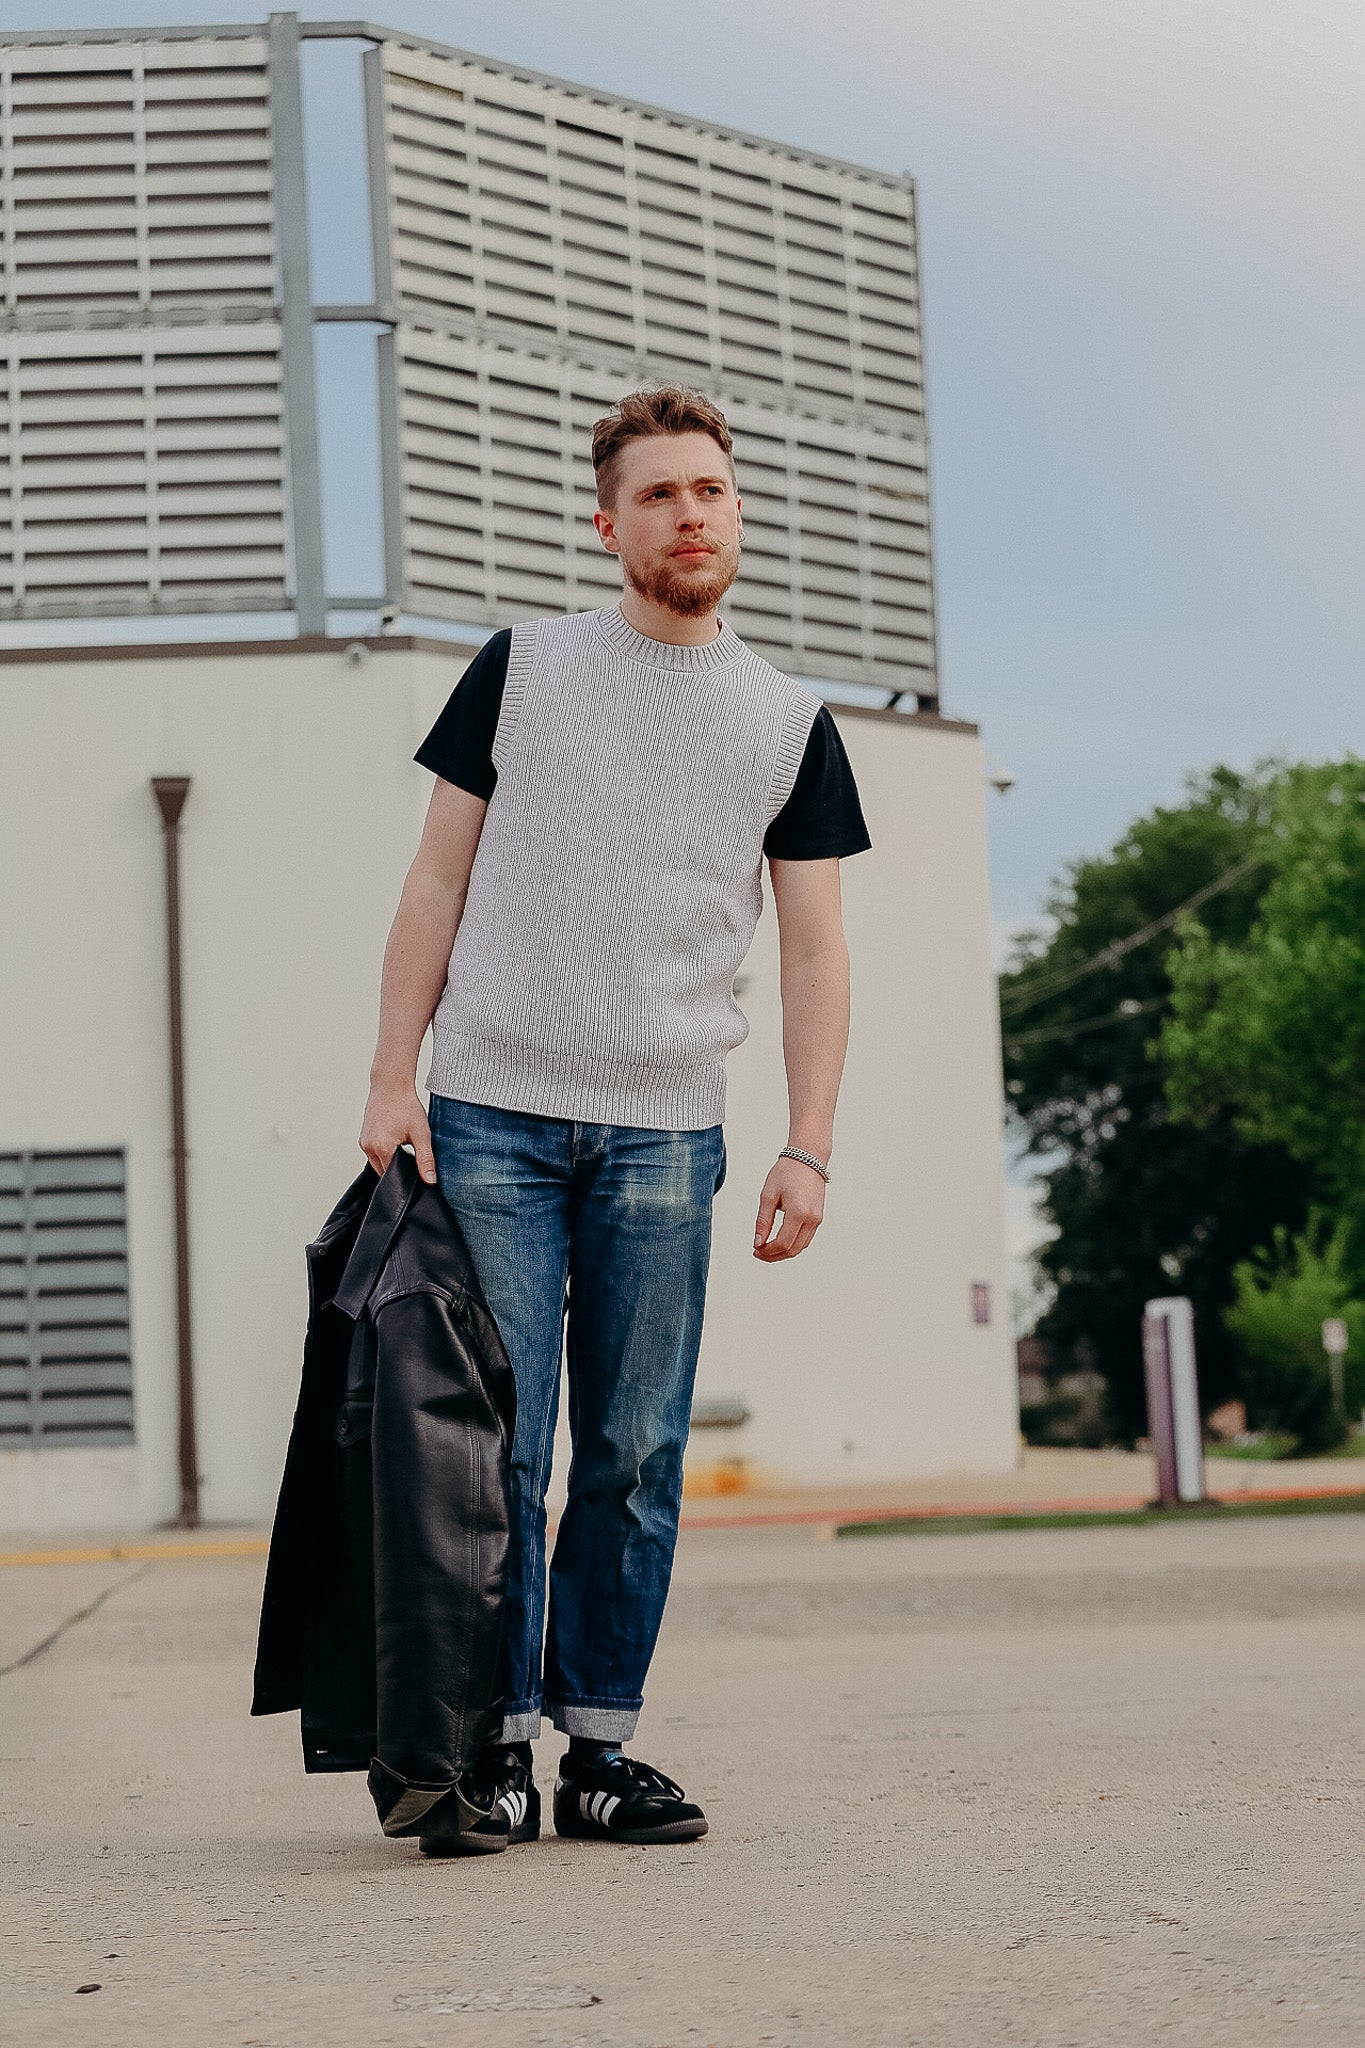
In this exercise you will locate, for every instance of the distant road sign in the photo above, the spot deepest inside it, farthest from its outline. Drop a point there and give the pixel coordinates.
(1335, 1337)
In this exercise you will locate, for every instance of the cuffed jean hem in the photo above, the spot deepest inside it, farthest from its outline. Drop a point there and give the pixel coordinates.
(522, 1724)
(594, 1724)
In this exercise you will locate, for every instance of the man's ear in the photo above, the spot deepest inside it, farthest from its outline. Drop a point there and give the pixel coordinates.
(606, 531)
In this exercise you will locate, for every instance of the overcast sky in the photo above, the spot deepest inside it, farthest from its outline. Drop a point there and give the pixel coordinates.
(1144, 290)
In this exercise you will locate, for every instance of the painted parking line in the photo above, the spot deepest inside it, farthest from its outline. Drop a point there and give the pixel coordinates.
(120, 1553)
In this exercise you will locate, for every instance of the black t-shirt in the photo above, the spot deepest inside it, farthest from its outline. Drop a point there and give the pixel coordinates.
(822, 819)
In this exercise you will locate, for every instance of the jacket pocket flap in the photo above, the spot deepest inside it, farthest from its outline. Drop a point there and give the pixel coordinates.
(352, 1425)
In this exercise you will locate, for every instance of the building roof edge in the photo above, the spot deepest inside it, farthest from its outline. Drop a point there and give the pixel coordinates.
(378, 643)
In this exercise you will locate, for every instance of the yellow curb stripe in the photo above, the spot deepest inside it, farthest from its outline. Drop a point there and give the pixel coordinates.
(258, 1546)
(118, 1553)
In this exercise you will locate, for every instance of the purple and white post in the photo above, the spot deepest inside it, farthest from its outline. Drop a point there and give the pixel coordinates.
(1173, 1400)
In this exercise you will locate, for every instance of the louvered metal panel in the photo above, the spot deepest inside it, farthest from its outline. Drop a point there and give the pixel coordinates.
(66, 1373)
(142, 430)
(144, 470)
(498, 499)
(544, 249)
(158, 375)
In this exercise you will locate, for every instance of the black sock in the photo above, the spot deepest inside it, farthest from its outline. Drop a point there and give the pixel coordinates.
(583, 1750)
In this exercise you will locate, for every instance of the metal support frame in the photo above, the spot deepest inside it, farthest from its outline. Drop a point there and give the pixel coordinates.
(296, 324)
(924, 701)
(386, 347)
(170, 792)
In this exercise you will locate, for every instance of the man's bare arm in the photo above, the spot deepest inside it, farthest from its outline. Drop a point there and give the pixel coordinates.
(815, 1008)
(416, 961)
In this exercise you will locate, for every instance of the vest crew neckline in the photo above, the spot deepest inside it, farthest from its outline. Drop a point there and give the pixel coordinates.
(727, 647)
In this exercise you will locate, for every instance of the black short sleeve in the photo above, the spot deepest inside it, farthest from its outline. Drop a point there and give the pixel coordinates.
(822, 819)
(459, 747)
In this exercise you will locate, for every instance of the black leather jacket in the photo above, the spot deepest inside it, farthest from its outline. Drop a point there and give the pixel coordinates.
(382, 1615)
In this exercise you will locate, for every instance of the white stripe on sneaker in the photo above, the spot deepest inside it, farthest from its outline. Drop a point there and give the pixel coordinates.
(609, 1809)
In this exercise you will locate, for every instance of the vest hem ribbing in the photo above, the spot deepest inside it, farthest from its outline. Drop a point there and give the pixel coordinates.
(639, 1100)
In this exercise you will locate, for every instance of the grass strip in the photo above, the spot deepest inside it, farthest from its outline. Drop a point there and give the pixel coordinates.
(1106, 1518)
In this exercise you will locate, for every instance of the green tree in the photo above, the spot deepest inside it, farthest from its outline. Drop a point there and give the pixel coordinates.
(1269, 1025)
(1141, 1204)
(1283, 1295)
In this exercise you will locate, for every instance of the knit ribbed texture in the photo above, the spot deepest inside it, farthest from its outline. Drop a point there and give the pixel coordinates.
(618, 878)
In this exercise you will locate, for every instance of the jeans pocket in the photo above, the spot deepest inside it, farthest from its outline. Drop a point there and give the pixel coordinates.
(720, 1177)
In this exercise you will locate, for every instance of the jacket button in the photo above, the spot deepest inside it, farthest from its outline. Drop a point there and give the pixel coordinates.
(343, 1427)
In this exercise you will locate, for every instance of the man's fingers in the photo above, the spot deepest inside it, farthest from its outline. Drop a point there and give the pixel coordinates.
(422, 1152)
(802, 1214)
(796, 1233)
(379, 1151)
(783, 1246)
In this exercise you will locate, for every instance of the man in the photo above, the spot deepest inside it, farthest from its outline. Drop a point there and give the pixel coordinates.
(588, 883)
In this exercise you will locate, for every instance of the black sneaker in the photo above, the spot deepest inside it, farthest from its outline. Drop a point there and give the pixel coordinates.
(494, 1806)
(616, 1798)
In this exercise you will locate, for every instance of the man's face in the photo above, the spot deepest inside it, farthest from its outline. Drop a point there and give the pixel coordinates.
(675, 521)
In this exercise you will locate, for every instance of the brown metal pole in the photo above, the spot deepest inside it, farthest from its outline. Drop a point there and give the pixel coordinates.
(170, 792)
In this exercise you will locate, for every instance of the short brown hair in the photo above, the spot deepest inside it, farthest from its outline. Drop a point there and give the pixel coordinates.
(667, 409)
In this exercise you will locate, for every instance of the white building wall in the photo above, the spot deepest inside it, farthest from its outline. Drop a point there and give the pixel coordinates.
(304, 812)
(860, 1359)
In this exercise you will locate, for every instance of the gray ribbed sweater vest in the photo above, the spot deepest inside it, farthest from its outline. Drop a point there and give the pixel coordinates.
(618, 877)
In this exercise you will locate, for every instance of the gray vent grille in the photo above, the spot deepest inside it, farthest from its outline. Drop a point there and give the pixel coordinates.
(498, 501)
(649, 239)
(546, 251)
(66, 1374)
(141, 404)
(138, 175)
(539, 247)
(145, 473)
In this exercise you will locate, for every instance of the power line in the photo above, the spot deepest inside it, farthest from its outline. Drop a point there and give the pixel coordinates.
(1118, 949)
(1120, 1016)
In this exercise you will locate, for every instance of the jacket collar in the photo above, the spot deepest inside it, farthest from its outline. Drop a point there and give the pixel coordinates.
(392, 1198)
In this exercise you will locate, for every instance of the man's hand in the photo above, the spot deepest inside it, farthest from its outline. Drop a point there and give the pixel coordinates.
(394, 1116)
(416, 963)
(798, 1191)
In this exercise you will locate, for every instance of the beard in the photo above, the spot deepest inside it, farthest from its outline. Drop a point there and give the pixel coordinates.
(688, 592)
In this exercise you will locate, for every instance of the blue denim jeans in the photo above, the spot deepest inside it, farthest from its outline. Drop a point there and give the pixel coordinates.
(605, 1228)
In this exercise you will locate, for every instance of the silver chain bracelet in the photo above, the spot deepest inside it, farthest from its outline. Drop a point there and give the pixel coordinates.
(806, 1158)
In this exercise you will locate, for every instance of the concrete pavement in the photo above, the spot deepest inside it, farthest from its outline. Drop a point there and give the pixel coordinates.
(1061, 1789)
